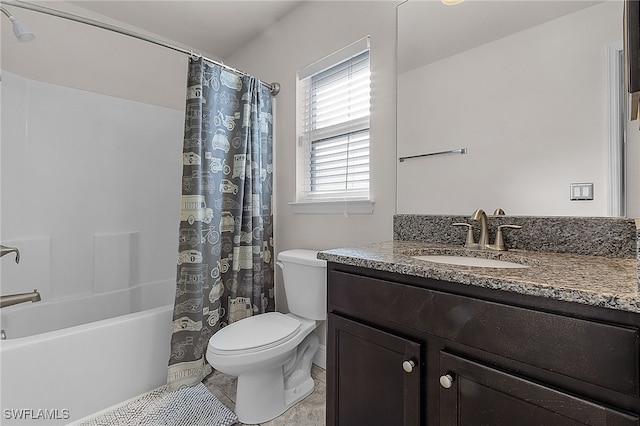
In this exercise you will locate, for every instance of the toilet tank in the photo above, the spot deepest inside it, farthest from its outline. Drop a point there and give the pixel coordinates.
(305, 283)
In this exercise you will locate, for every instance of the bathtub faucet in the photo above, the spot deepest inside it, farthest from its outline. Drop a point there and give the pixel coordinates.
(14, 299)
(6, 250)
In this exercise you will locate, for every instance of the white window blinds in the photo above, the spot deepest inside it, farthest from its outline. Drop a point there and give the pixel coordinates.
(334, 127)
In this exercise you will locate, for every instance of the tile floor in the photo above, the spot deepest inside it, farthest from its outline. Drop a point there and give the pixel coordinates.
(308, 412)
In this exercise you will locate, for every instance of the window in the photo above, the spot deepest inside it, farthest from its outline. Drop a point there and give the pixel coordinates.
(333, 131)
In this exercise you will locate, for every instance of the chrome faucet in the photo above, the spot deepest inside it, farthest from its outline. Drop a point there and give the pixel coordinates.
(6, 250)
(14, 299)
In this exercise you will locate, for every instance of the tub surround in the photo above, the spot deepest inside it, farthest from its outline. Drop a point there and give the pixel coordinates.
(593, 261)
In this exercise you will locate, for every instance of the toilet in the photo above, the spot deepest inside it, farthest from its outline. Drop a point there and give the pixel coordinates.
(271, 353)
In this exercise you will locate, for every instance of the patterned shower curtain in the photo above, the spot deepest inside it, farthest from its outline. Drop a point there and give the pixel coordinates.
(225, 255)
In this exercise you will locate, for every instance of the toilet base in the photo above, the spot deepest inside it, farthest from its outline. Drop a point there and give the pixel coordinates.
(264, 395)
(300, 392)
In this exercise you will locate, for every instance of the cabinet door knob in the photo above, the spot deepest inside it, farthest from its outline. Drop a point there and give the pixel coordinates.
(408, 366)
(446, 381)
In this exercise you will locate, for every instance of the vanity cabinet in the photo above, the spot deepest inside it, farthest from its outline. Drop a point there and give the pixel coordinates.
(405, 350)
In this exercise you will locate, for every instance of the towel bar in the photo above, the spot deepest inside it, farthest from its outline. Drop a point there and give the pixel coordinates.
(453, 151)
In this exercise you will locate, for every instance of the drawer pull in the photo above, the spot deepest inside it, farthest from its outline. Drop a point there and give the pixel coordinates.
(446, 381)
(408, 366)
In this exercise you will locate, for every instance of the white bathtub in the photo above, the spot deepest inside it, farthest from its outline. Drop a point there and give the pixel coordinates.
(64, 360)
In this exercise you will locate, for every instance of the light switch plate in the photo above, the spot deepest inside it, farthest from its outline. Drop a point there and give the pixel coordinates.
(581, 191)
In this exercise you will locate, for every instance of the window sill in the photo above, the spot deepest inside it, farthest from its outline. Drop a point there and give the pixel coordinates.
(346, 207)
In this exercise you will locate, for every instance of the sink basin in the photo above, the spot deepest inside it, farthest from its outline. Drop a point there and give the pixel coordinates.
(470, 261)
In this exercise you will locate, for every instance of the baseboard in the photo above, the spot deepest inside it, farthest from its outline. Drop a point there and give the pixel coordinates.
(320, 358)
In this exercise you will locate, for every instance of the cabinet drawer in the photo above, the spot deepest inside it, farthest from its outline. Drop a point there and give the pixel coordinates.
(602, 354)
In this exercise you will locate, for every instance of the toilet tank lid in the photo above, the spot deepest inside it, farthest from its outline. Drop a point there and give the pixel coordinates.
(302, 257)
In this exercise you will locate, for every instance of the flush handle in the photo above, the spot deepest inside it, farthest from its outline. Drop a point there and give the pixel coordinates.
(408, 365)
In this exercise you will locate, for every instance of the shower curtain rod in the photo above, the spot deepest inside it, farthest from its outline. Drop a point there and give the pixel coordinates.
(274, 88)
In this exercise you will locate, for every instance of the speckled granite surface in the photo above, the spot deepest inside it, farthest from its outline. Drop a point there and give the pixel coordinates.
(563, 272)
(598, 236)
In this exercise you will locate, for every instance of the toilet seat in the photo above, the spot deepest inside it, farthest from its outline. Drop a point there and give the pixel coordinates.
(253, 334)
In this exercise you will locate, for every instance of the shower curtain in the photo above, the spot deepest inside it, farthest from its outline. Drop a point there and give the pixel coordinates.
(225, 256)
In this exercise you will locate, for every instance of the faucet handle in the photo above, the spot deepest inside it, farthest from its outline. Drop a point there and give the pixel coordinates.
(498, 212)
(509, 226)
(500, 245)
(470, 241)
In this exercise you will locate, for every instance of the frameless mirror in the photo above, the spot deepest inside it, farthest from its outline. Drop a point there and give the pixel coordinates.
(531, 91)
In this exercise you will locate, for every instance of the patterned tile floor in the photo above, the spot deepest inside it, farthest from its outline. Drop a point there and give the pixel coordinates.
(308, 412)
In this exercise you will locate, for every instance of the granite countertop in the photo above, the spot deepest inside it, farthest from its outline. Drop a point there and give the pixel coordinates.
(592, 280)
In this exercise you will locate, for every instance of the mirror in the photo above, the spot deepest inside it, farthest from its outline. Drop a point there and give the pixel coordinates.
(525, 88)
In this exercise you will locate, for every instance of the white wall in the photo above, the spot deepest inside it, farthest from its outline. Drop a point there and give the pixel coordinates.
(311, 32)
(532, 110)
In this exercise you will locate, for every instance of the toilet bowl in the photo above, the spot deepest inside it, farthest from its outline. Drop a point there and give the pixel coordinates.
(271, 353)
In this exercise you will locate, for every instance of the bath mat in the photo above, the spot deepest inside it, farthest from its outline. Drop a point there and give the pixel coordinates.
(189, 406)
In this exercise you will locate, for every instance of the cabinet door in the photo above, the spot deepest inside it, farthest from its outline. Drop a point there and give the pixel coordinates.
(472, 394)
(367, 382)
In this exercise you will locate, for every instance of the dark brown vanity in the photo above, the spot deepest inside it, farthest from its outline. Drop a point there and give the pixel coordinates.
(413, 343)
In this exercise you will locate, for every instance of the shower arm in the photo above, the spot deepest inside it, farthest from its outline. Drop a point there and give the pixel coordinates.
(21, 32)
(6, 250)
(274, 88)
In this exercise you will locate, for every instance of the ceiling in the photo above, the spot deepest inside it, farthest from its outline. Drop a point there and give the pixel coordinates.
(215, 28)
(218, 28)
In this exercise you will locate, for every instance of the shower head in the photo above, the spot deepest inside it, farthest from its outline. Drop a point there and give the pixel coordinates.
(22, 33)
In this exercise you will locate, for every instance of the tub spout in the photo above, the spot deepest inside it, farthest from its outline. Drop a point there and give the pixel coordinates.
(14, 299)
(6, 250)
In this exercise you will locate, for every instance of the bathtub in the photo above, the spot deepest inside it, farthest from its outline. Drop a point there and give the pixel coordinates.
(63, 360)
